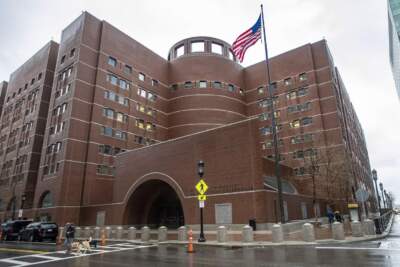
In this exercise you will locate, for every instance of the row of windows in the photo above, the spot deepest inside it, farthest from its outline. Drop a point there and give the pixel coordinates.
(71, 54)
(199, 46)
(39, 77)
(269, 144)
(302, 122)
(143, 141)
(111, 114)
(65, 74)
(287, 82)
(54, 148)
(59, 127)
(305, 170)
(145, 109)
(63, 91)
(300, 154)
(51, 168)
(148, 126)
(114, 80)
(110, 150)
(205, 84)
(108, 131)
(299, 107)
(301, 139)
(60, 109)
(110, 95)
(128, 70)
(105, 170)
(146, 94)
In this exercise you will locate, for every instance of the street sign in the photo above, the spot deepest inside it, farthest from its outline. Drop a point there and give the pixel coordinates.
(362, 195)
(202, 197)
(201, 187)
(201, 204)
(352, 205)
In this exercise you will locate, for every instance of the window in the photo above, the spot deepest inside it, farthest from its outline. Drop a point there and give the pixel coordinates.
(69, 72)
(57, 147)
(19, 90)
(307, 137)
(39, 76)
(123, 84)
(203, 84)
(302, 92)
(217, 84)
(72, 53)
(105, 149)
(63, 59)
(305, 106)
(151, 96)
(263, 116)
(306, 121)
(120, 135)
(188, 85)
(288, 81)
(241, 91)
(265, 130)
(154, 82)
(303, 77)
(26, 86)
(231, 88)
(112, 79)
(273, 86)
(107, 131)
(128, 69)
(33, 81)
(140, 107)
(109, 113)
(298, 154)
(216, 48)
(174, 87)
(141, 76)
(64, 107)
(150, 126)
(140, 123)
(197, 46)
(295, 124)
(121, 117)
(260, 90)
(291, 95)
(179, 51)
(112, 61)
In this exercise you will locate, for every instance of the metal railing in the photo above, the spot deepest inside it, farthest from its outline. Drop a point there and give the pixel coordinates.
(382, 222)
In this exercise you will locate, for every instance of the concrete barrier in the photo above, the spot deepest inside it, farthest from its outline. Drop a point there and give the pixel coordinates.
(107, 231)
(86, 232)
(356, 229)
(182, 234)
(368, 227)
(308, 232)
(145, 236)
(337, 231)
(277, 233)
(247, 234)
(119, 232)
(162, 233)
(132, 233)
(78, 232)
(222, 234)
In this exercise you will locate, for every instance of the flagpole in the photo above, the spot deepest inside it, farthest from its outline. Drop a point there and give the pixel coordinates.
(275, 138)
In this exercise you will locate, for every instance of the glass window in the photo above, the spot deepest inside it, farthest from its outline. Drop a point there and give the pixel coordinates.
(216, 48)
(112, 61)
(109, 113)
(217, 84)
(39, 76)
(140, 123)
(141, 76)
(120, 117)
(306, 121)
(174, 87)
(62, 59)
(150, 126)
(265, 130)
(291, 95)
(151, 96)
(302, 92)
(263, 116)
(198, 46)
(288, 81)
(241, 91)
(122, 84)
(231, 88)
(107, 131)
(303, 77)
(203, 84)
(33, 81)
(295, 124)
(273, 86)
(180, 51)
(188, 85)
(260, 90)
(112, 79)
(154, 82)
(72, 53)
(128, 69)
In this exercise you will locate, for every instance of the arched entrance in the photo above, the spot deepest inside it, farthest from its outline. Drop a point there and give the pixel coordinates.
(154, 203)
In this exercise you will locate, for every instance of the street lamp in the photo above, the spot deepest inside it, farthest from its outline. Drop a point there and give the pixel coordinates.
(375, 177)
(383, 196)
(387, 199)
(200, 172)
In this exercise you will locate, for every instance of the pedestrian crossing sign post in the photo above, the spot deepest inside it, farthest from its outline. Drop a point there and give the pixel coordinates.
(201, 187)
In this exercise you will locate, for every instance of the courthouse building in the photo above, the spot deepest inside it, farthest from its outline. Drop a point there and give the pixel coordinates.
(126, 127)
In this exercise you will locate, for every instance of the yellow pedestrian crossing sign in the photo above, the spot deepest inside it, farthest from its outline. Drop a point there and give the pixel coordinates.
(202, 197)
(201, 187)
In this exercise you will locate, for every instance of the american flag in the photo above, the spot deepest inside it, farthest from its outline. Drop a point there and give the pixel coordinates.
(246, 39)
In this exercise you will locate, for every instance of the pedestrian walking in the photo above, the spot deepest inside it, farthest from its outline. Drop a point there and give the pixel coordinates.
(331, 216)
(338, 217)
(69, 236)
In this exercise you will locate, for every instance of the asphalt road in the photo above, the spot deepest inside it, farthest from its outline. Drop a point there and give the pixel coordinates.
(385, 252)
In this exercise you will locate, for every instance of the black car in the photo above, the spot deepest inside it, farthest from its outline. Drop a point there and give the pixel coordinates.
(39, 231)
(10, 230)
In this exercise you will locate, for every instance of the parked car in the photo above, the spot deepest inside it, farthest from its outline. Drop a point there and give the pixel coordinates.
(10, 230)
(39, 231)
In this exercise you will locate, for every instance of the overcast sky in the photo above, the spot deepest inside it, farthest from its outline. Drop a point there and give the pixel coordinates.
(356, 32)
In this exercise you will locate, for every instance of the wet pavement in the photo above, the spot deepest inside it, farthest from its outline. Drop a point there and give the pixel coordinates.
(385, 252)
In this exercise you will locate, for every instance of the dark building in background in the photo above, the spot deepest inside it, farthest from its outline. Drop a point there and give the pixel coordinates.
(23, 123)
(111, 95)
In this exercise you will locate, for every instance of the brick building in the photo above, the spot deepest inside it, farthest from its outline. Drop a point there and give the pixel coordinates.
(126, 127)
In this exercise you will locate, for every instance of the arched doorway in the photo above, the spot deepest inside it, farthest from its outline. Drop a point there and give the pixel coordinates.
(154, 203)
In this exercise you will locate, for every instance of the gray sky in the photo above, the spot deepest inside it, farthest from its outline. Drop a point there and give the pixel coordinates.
(356, 32)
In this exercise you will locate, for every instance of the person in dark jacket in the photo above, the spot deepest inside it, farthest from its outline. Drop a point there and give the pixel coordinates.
(331, 216)
(69, 236)
(338, 217)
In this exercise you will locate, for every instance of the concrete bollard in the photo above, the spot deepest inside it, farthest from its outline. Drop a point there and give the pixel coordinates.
(222, 234)
(356, 229)
(119, 232)
(337, 231)
(78, 232)
(145, 237)
(96, 232)
(277, 233)
(86, 232)
(107, 231)
(369, 227)
(132, 233)
(182, 234)
(247, 234)
(162, 234)
(308, 232)
(61, 234)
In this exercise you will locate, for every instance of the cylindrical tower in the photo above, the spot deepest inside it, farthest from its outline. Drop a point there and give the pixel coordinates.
(206, 86)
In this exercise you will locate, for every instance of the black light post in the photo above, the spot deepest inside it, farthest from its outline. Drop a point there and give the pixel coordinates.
(383, 196)
(375, 177)
(200, 171)
(387, 199)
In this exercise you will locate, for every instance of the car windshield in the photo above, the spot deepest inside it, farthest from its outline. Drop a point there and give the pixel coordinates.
(48, 225)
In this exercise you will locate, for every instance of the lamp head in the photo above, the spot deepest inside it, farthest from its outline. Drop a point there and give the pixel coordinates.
(200, 168)
(374, 175)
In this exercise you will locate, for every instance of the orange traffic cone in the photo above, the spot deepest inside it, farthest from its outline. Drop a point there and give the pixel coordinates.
(103, 238)
(190, 244)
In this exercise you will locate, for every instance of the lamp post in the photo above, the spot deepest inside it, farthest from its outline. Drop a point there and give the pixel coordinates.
(200, 171)
(383, 196)
(387, 199)
(375, 177)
